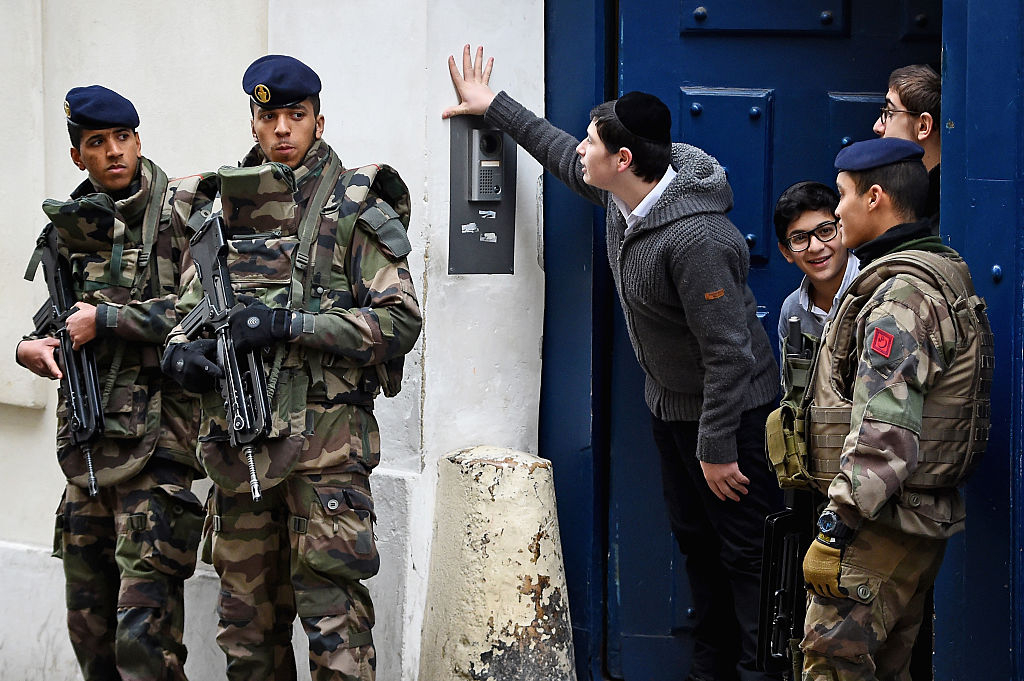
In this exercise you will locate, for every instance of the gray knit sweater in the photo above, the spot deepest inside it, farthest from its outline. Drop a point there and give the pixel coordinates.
(681, 275)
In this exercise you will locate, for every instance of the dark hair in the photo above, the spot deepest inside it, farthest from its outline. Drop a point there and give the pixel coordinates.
(75, 133)
(801, 198)
(313, 99)
(919, 88)
(650, 159)
(906, 183)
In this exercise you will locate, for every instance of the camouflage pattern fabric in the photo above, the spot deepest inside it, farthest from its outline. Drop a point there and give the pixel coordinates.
(910, 361)
(361, 314)
(127, 551)
(126, 554)
(302, 550)
(142, 413)
(871, 633)
(906, 338)
(305, 547)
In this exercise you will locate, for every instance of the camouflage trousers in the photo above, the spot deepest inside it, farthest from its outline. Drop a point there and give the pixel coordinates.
(870, 635)
(301, 550)
(126, 555)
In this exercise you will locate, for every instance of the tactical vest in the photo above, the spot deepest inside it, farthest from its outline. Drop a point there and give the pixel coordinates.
(108, 267)
(955, 419)
(295, 259)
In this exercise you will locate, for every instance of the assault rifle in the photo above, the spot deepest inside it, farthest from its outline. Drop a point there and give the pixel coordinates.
(244, 383)
(79, 381)
(787, 534)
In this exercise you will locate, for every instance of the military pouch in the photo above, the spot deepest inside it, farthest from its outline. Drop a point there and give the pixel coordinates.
(796, 376)
(786, 447)
(133, 406)
(131, 431)
(257, 199)
(262, 261)
(85, 224)
(338, 539)
(163, 535)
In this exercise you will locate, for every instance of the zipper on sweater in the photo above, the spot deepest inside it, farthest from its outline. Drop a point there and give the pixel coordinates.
(637, 348)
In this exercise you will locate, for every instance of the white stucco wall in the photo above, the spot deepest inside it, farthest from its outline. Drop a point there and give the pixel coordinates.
(474, 378)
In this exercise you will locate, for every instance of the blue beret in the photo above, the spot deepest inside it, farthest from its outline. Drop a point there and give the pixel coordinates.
(95, 107)
(277, 80)
(645, 116)
(873, 153)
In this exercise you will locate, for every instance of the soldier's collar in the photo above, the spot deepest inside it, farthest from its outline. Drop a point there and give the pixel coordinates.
(313, 163)
(894, 239)
(130, 201)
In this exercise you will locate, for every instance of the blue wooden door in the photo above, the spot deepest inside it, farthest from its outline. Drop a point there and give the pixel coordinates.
(773, 90)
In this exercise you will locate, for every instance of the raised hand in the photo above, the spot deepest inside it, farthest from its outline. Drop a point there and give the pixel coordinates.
(471, 85)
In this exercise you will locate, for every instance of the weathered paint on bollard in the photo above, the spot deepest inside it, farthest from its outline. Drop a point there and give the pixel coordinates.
(496, 604)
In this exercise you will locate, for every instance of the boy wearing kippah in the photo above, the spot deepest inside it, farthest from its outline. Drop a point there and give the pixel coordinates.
(680, 268)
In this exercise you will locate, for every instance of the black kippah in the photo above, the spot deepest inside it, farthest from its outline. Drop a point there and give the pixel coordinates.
(645, 116)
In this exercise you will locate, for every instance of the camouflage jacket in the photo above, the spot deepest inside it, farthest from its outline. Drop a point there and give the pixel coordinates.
(356, 303)
(135, 295)
(905, 343)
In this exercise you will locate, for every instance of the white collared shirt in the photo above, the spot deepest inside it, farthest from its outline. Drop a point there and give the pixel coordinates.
(804, 297)
(645, 205)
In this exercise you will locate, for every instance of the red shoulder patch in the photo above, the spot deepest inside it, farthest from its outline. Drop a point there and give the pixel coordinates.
(881, 342)
(711, 295)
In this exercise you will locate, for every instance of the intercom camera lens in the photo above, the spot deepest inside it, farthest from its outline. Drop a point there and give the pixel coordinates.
(490, 143)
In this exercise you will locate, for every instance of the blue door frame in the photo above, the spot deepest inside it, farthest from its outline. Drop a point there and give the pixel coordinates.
(978, 627)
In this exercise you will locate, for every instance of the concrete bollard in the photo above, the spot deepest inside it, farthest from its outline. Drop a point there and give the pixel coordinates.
(496, 601)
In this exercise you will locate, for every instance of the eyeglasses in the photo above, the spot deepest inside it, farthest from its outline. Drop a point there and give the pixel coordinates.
(886, 113)
(826, 231)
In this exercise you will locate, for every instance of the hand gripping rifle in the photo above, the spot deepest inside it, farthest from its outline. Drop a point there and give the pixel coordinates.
(787, 534)
(244, 383)
(80, 381)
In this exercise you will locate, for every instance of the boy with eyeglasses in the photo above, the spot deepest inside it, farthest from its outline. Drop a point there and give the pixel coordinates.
(912, 112)
(808, 234)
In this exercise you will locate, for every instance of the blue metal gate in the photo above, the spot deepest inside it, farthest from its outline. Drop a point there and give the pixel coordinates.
(773, 90)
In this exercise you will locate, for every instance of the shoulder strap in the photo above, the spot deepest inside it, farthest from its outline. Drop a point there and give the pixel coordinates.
(150, 223)
(37, 254)
(308, 229)
(944, 273)
(350, 192)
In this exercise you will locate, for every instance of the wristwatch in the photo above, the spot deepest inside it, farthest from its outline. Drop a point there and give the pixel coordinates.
(832, 531)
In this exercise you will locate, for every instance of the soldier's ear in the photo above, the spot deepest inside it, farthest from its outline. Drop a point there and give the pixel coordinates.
(138, 143)
(875, 195)
(76, 157)
(319, 126)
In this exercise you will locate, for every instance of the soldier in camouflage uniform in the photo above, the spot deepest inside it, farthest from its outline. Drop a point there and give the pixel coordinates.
(897, 418)
(127, 550)
(321, 264)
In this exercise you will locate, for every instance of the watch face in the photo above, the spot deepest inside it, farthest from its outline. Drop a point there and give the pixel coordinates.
(827, 522)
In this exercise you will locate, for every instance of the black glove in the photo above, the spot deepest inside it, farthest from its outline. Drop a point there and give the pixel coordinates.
(258, 326)
(193, 365)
